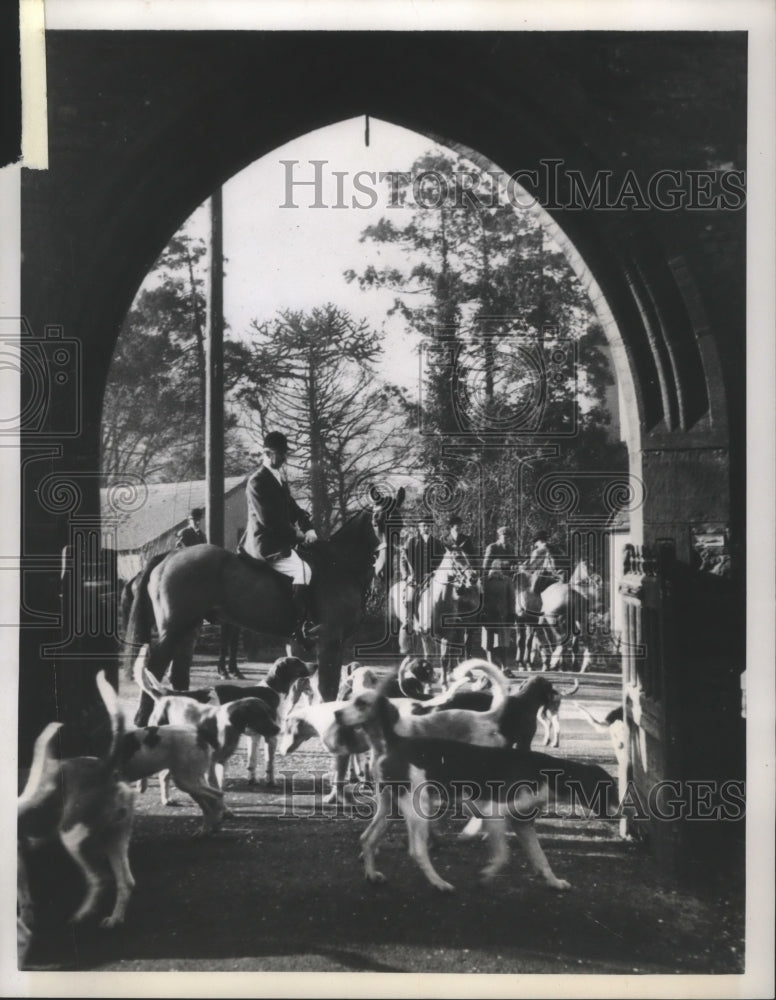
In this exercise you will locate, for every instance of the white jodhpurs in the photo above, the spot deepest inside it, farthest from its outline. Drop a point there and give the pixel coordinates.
(292, 566)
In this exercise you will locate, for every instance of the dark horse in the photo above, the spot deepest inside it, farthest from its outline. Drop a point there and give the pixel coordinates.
(182, 658)
(187, 586)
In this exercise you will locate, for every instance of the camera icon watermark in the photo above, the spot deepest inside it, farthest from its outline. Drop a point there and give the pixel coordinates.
(49, 372)
(502, 381)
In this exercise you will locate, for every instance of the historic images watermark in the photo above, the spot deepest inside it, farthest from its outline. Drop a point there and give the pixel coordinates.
(552, 186)
(666, 801)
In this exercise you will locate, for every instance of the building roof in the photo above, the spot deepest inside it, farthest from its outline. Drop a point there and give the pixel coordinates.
(165, 507)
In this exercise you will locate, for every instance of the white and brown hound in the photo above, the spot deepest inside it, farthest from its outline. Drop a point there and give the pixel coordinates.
(83, 803)
(499, 783)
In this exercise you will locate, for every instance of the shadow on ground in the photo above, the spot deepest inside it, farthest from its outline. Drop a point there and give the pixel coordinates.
(274, 892)
(288, 895)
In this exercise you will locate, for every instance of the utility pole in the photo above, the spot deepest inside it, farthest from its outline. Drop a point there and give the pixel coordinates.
(214, 394)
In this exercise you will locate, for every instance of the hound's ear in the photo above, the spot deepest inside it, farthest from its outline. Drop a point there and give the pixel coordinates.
(382, 688)
(387, 713)
(269, 726)
(400, 496)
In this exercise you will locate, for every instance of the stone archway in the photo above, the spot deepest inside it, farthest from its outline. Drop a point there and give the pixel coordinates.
(148, 126)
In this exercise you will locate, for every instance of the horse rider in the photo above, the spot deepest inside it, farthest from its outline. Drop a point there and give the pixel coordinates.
(458, 541)
(500, 559)
(540, 562)
(276, 524)
(191, 534)
(420, 557)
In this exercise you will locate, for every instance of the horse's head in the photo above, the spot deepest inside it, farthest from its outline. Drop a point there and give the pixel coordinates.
(456, 571)
(587, 583)
(386, 524)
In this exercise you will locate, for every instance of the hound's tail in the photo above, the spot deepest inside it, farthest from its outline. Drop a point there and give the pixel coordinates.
(498, 682)
(43, 768)
(600, 727)
(110, 699)
(140, 620)
(144, 679)
(45, 764)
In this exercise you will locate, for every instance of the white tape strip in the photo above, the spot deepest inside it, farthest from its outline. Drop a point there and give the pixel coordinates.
(32, 31)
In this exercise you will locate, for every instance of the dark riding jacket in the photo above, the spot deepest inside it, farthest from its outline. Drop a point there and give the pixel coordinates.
(272, 514)
(462, 545)
(499, 560)
(421, 556)
(189, 536)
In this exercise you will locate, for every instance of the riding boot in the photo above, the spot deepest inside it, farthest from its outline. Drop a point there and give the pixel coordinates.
(304, 629)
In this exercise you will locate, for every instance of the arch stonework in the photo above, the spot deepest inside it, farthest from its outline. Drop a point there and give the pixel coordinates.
(143, 126)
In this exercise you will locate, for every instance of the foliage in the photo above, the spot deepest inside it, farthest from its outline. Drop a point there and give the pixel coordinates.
(313, 376)
(494, 300)
(154, 404)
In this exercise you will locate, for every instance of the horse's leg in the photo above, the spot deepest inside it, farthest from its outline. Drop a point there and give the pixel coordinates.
(182, 659)
(405, 640)
(226, 639)
(429, 647)
(542, 639)
(559, 639)
(520, 641)
(230, 644)
(533, 645)
(329, 666)
(234, 646)
(574, 650)
(446, 657)
(159, 655)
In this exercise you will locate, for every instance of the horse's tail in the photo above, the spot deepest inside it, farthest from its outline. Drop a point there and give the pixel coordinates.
(140, 620)
(127, 597)
(144, 679)
(497, 679)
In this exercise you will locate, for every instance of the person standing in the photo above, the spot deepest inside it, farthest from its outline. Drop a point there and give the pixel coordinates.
(276, 525)
(500, 558)
(191, 534)
(498, 565)
(460, 544)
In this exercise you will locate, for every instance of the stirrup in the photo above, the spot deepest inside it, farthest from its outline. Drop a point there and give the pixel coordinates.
(306, 633)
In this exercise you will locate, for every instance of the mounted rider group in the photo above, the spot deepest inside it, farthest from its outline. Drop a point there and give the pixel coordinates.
(286, 582)
(525, 611)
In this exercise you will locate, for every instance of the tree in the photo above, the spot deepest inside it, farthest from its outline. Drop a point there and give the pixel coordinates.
(154, 405)
(312, 374)
(494, 300)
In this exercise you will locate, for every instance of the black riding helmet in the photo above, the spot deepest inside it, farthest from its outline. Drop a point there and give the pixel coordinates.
(276, 441)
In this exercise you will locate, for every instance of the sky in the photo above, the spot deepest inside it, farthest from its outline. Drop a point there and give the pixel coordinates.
(280, 257)
(292, 223)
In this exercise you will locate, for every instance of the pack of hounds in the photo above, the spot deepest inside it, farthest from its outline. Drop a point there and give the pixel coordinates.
(410, 744)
